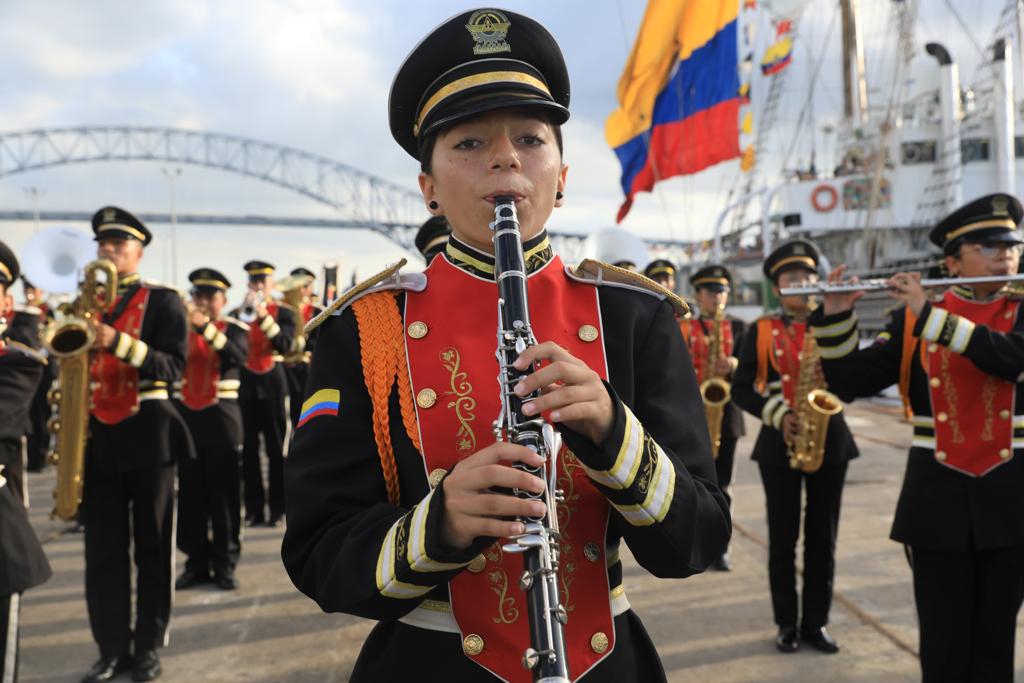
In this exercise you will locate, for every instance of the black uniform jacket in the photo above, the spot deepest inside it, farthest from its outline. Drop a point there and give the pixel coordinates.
(25, 324)
(20, 370)
(273, 384)
(22, 560)
(732, 417)
(156, 434)
(770, 449)
(939, 508)
(338, 510)
(221, 423)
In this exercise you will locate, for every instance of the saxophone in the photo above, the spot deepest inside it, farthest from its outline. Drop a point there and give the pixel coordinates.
(291, 287)
(815, 405)
(69, 339)
(546, 656)
(715, 390)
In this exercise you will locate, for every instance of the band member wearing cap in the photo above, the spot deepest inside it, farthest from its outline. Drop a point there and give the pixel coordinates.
(135, 433)
(663, 272)
(35, 315)
(959, 364)
(432, 237)
(208, 486)
(21, 369)
(765, 385)
(711, 332)
(263, 393)
(479, 103)
(296, 364)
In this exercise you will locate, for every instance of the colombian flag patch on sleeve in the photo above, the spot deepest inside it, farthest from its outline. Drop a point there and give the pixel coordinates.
(322, 402)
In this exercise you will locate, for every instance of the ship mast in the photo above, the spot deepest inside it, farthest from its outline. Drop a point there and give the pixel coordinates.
(855, 88)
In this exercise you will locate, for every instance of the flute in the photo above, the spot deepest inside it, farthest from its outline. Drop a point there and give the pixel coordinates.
(876, 284)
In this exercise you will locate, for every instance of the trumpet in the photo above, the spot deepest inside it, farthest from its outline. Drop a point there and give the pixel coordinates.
(248, 311)
(877, 284)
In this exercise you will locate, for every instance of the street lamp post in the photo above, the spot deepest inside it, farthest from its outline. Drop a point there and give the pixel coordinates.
(172, 175)
(34, 192)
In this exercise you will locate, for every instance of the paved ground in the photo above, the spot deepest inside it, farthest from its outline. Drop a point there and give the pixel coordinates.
(714, 627)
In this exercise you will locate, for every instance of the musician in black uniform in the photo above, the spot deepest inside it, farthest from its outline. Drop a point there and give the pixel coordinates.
(22, 562)
(765, 386)
(38, 435)
(387, 512)
(712, 285)
(209, 485)
(432, 237)
(959, 363)
(263, 393)
(135, 433)
(296, 365)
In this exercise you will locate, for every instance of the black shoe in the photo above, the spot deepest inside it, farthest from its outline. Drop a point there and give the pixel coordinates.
(254, 520)
(820, 640)
(226, 582)
(787, 640)
(107, 668)
(147, 667)
(275, 520)
(189, 579)
(722, 564)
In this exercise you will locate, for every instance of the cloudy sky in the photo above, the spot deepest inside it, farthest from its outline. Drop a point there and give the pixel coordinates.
(314, 75)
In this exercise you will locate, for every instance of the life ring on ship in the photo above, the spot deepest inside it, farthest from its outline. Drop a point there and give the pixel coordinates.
(830, 201)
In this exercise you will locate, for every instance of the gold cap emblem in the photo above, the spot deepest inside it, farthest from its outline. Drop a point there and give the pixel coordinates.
(799, 249)
(1000, 206)
(109, 215)
(488, 28)
(473, 644)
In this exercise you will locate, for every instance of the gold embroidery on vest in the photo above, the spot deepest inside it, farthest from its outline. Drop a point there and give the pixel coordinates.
(507, 611)
(567, 482)
(988, 397)
(464, 403)
(952, 397)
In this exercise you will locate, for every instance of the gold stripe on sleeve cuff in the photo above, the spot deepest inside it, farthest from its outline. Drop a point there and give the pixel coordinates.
(934, 324)
(417, 556)
(844, 349)
(219, 341)
(769, 408)
(627, 462)
(209, 332)
(961, 335)
(139, 352)
(835, 329)
(779, 413)
(387, 583)
(267, 322)
(124, 344)
(273, 331)
(658, 500)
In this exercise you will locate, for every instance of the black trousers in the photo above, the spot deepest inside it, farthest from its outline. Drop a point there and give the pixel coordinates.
(209, 500)
(122, 509)
(297, 375)
(967, 606)
(724, 465)
(267, 417)
(39, 415)
(782, 489)
(12, 458)
(10, 607)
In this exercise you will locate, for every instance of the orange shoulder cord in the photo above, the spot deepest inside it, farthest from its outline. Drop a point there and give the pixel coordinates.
(684, 329)
(764, 352)
(906, 359)
(382, 347)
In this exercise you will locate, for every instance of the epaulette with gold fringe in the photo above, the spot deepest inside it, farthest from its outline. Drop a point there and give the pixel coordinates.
(389, 278)
(600, 273)
(26, 350)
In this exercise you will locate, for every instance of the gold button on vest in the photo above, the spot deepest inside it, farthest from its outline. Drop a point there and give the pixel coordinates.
(418, 330)
(473, 644)
(935, 382)
(940, 456)
(932, 348)
(477, 564)
(592, 552)
(588, 333)
(426, 398)
(1005, 414)
(942, 417)
(436, 476)
(1004, 453)
(599, 642)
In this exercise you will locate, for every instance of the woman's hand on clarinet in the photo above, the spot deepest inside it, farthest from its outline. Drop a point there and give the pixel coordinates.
(906, 287)
(573, 392)
(840, 302)
(472, 509)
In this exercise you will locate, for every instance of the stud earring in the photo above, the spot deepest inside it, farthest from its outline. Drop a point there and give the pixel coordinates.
(433, 204)
(558, 195)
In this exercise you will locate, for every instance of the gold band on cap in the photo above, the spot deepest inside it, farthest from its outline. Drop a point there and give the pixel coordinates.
(210, 283)
(473, 81)
(436, 241)
(711, 280)
(4, 270)
(260, 271)
(805, 260)
(121, 227)
(981, 225)
(662, 269)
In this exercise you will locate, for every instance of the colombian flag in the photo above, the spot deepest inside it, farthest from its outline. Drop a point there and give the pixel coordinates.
(678, 95)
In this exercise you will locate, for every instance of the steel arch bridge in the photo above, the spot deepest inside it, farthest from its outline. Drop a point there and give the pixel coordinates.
(356, 196)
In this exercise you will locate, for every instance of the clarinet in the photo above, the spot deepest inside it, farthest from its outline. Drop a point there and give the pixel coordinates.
(539, 542)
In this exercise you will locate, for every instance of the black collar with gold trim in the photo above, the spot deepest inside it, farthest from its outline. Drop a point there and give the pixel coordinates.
(965, 292)
(537, 252)
(125, 282)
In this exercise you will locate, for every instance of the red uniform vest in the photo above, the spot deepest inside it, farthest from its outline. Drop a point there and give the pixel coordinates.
(697, 340)
(785, 346)
(308, 311)
(261, 351)
(115, 395)
(202, 370)
(455, 360)
(973, 410)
